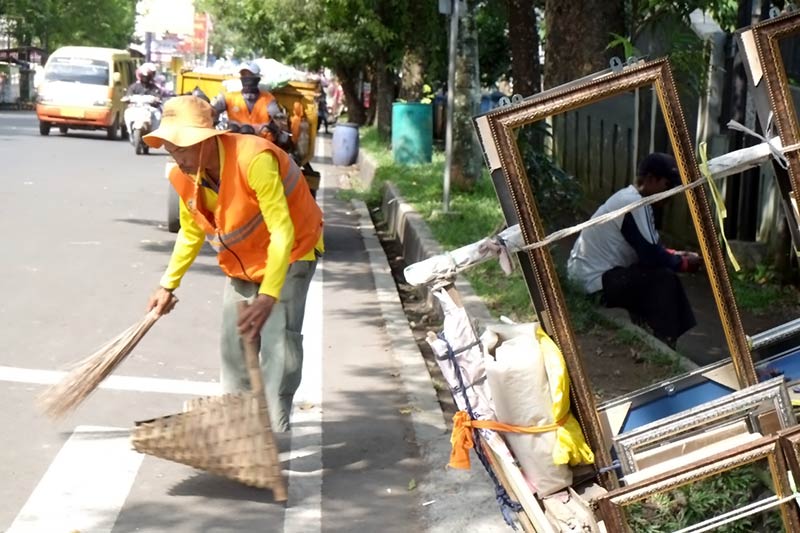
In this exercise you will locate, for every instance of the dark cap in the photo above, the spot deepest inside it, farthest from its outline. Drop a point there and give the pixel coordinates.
(661, 165)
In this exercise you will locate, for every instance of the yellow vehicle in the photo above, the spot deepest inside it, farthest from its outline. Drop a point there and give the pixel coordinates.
(212, 84)
(83, 89)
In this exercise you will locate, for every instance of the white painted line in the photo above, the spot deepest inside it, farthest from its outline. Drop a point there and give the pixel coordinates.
(126, 383)
(18, 128)
(304, 509)
(85, 486)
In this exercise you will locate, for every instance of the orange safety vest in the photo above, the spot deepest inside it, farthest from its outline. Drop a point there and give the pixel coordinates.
(238, 114)
(236, 229)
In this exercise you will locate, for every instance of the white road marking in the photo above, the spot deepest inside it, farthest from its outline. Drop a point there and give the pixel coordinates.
(126, 383)
(304, 509)
(85, 486)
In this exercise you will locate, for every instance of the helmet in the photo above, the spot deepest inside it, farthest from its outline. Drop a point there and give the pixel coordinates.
(147, 71)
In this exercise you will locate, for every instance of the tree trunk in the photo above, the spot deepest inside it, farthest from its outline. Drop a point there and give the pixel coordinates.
(411, 82)
(578, 33)
(352, 97)
(523, 38)
(371, 111)
(467, 159)
(383, 96)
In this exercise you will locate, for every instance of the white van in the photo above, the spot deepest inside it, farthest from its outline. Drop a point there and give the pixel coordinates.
(83, 88)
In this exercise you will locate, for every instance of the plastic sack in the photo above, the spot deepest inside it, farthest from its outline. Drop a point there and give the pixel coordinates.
(530, 388)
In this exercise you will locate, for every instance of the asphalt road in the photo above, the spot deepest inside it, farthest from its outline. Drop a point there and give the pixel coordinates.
(85, 243)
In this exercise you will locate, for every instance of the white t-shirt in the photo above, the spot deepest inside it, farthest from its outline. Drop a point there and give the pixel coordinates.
(602, 247)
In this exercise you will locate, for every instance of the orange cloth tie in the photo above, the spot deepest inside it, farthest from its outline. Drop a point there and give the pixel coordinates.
(461, 437)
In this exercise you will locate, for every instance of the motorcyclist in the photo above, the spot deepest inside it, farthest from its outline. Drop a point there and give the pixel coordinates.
(253, 110)
(145, 83)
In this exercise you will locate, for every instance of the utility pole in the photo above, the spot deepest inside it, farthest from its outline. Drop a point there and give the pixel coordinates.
(451, 86)
(148, 45)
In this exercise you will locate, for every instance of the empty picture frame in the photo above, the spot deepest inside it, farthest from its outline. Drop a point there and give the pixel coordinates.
(735, 406)
(770, 38)
(613, 507)
(496, 131)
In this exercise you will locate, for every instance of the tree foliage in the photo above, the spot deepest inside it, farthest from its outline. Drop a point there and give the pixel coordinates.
(350, 37)
(54, 23)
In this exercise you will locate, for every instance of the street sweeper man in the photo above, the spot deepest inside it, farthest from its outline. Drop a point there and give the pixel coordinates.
(251, 201)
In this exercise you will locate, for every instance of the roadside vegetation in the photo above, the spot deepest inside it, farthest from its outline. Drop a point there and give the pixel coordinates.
(476, 214)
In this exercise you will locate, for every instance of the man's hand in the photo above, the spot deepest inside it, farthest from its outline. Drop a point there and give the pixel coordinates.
(253, 317)
(162, 300)
(690, 261)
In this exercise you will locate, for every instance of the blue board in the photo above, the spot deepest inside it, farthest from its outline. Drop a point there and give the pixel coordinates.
(787, 364)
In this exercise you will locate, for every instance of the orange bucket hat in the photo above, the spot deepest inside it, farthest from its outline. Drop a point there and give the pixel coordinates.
(185, 121)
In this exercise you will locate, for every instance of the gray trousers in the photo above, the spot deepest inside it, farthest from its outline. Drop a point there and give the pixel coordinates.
(281, 341)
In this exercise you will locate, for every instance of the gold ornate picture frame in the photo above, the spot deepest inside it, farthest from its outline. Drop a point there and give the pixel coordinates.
(767, 37)
(612, 506)
(496, 131)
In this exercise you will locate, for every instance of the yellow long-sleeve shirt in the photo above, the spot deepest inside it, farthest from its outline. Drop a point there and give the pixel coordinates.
(263, 176)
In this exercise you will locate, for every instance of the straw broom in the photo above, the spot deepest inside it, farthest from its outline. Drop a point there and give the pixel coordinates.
(86, 375)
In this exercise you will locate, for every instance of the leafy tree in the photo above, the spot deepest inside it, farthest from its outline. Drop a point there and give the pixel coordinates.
(491, 22)
(54, 23)
(359, 40)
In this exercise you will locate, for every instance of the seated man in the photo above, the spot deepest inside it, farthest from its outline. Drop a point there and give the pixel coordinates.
(624, 261)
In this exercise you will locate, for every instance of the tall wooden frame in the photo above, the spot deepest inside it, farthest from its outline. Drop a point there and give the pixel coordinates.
(496, 132)
(767, 36)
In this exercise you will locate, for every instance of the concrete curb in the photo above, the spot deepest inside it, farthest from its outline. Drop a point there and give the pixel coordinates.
(418, 243)
(452, 500)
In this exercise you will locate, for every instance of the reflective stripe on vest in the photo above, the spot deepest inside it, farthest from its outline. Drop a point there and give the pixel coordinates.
(236, 228)
(237, 235)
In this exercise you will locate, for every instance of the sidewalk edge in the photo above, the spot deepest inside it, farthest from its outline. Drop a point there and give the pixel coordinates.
(451, 500)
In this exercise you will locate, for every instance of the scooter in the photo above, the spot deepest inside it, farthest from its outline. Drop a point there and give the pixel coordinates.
(142, 116)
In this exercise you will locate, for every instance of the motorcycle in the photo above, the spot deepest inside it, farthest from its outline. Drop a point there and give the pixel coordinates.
(142, 116)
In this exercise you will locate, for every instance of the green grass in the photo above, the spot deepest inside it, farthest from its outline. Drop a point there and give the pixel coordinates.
(760, 297)
(472, 216)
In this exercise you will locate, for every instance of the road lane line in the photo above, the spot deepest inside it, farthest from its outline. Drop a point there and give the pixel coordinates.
(85, 486)
(125, 383)
(304, 509)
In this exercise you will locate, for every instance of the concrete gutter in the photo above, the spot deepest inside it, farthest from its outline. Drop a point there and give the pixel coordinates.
(451, 500)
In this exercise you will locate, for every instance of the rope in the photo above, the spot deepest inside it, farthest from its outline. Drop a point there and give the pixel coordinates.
(777, 153)
(507, 505)
(461, 438)
(566, 232)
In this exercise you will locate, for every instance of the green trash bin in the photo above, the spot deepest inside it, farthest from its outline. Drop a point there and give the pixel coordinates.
(412, 133)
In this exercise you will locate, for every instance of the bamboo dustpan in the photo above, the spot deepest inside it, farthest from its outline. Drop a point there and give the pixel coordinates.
(228, 435)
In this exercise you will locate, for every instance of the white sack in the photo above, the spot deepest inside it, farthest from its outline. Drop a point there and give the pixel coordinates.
(521, 395)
